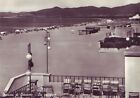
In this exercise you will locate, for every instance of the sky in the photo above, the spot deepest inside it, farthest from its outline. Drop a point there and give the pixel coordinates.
(34, 5)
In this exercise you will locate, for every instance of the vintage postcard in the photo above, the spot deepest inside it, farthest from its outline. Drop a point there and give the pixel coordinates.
(69, 48)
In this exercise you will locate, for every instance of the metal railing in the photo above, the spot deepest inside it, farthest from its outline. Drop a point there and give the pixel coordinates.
(25, 88)
(16, 82)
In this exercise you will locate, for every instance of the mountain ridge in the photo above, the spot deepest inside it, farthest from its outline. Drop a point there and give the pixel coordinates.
(66, 16)
(127, 10)
(87, 11)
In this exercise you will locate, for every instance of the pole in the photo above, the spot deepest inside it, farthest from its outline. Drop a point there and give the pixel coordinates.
(29, 48)
(30, 83)
(47, 51)
(47, 45)
(30, 64)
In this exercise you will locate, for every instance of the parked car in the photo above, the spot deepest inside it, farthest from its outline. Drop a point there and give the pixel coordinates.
(97, 88)
(121, 91)
(68, 88)
(114, 85)
(78, 88)
(48, 91)
(87, 87)
(106, 87)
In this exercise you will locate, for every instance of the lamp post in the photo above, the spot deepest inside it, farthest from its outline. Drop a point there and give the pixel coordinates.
(30, 65)
(47, 43)
(29, 57)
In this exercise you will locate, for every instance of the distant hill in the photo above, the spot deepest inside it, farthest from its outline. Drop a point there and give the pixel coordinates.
(59, 15)
(90, 11)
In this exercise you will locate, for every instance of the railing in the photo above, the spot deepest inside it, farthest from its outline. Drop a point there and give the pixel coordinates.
(22, 89)
(17, 81)
(60, 78)
(26, 88)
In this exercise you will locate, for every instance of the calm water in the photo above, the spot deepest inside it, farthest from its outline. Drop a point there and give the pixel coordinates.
(70, 54)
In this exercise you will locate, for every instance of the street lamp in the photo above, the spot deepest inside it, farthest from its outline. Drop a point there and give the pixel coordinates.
(49, 47)
(128, 41)
(47, 43)
(49, 38)
(28, 56)
(30, 64)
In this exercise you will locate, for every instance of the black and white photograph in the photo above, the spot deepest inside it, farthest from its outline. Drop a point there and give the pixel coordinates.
(69, 48)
